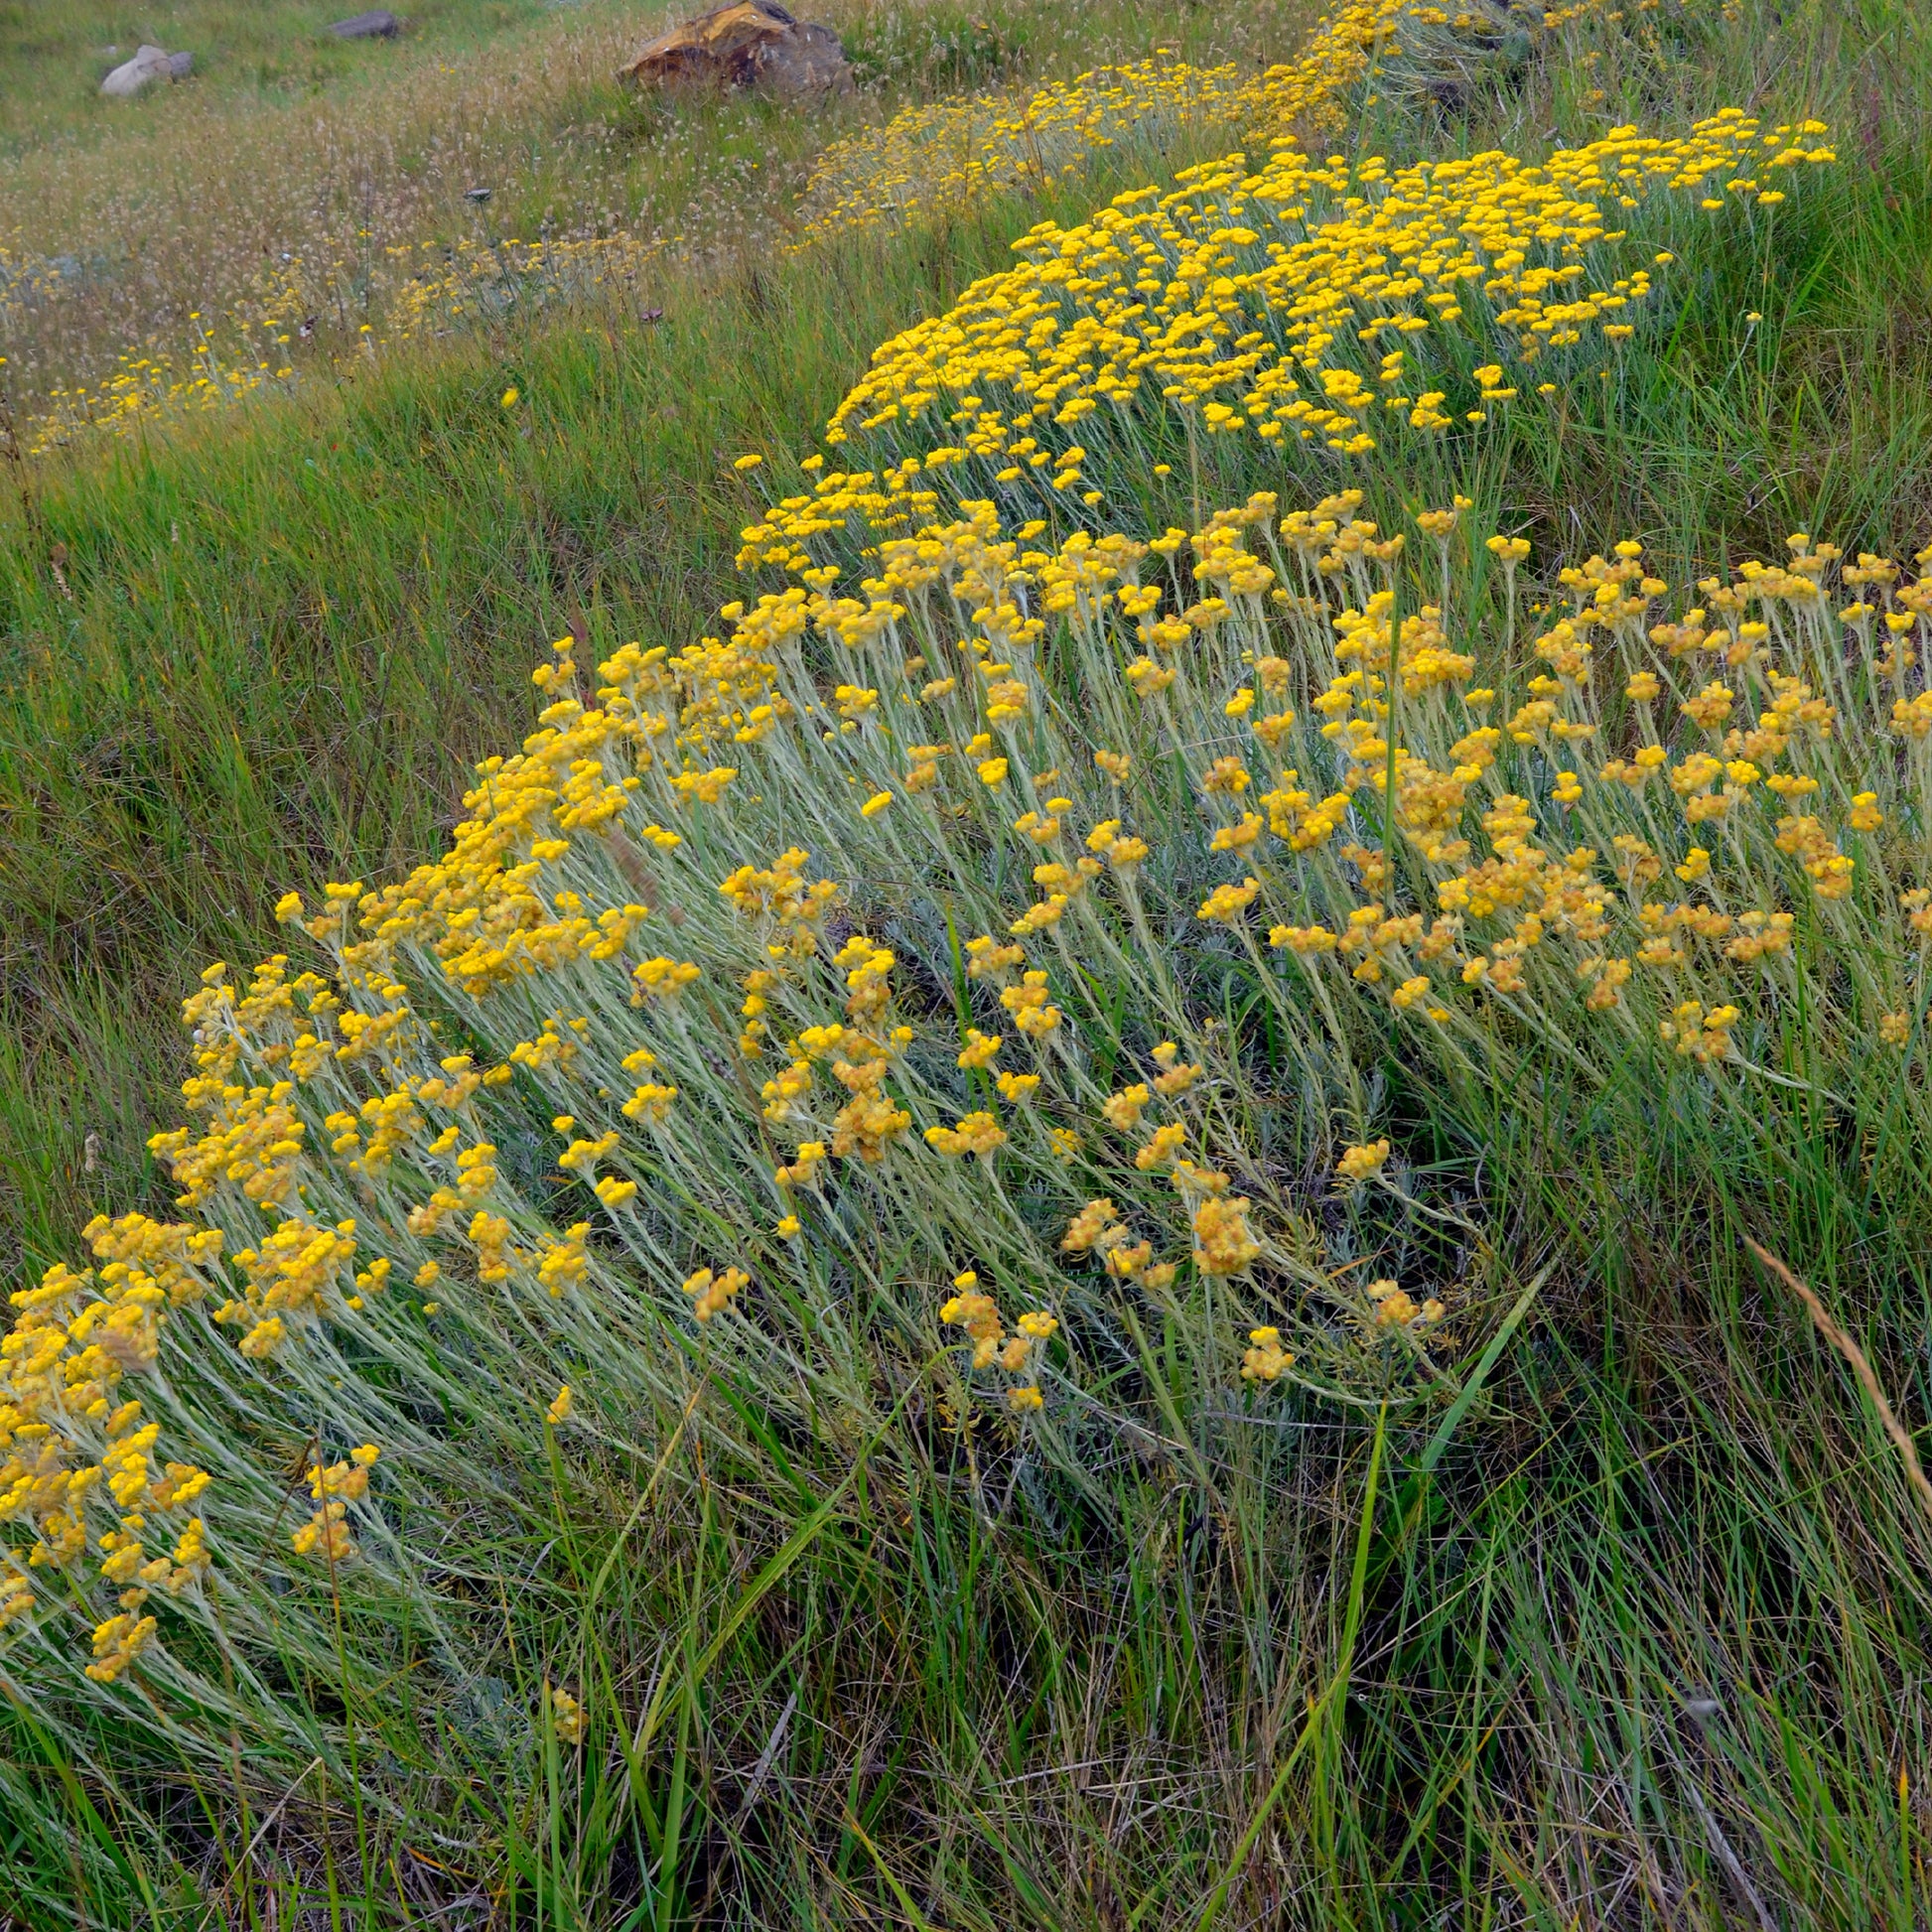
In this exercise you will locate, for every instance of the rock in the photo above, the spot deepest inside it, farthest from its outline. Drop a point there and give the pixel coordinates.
(181, 65)
(150, 64)
(808, 61)
(379, 24)
(748, 44)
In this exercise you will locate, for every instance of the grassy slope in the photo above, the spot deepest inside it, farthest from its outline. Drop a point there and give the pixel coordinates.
(1673, 1498)
(284, 641)
(54, 58)
(261, 199)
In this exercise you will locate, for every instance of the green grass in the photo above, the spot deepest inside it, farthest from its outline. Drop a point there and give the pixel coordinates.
(187, 733)
(878, 1671)
(283, 219)
(304, 624)
(54, 58)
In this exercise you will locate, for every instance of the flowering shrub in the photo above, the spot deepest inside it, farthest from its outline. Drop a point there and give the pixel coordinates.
(1304, 301)
(945, 156)
(1035, 919)
(997, 941)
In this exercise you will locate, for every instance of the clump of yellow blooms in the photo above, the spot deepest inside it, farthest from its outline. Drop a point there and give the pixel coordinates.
(1264, 1359)
(1321, 302)
(977, 1314)
(1287, 765)
(334, 1488)
(1360, 1164)
(940, 157)
(711, 1292)
(568, 1719)
(1395, 1308)
(947, 155)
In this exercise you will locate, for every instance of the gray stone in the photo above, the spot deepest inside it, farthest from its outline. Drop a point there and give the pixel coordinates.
(379, 24)
(181, 65)
(803, 63)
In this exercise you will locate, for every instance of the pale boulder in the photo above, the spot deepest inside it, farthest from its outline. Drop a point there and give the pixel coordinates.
(149, 64)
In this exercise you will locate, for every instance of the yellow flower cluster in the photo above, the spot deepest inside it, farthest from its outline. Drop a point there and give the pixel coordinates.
(570, 1720)
(947, 155)
(79, 1470)
(711, 1292)
(1393, 1307)
(1357, 1164)
(941, 157)
(334, 1488)
(1097, 1228)
(977, 1314)
(1301, 301)
(1264, 1359)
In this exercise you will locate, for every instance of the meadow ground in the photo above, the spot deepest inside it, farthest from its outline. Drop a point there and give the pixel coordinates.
(1260, 1409)
(392, 499)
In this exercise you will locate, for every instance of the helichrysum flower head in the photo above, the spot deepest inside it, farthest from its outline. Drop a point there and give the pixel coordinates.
(1264, 1360)
(712, 1293)
(567, 1718)
(1360, 1164)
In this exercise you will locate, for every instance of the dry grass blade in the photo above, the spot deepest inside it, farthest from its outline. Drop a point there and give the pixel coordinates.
(254, 1843)
(1822, 1320)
